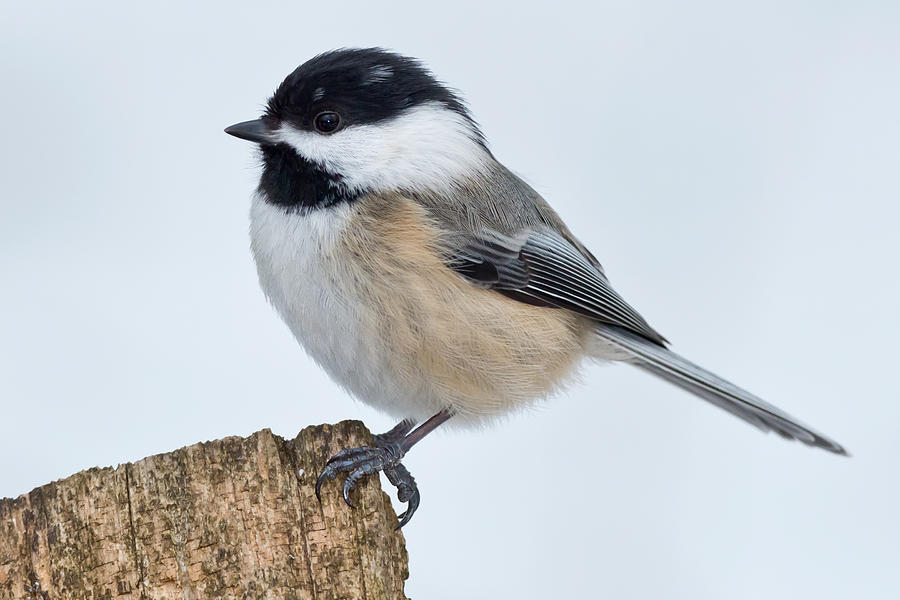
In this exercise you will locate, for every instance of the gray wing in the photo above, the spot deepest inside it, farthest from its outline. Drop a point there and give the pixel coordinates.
(540, 266)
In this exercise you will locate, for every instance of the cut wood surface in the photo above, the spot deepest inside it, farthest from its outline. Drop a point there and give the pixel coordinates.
(233, 518)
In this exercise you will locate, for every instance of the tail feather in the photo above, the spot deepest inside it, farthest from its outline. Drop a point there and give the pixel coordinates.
(681, 372)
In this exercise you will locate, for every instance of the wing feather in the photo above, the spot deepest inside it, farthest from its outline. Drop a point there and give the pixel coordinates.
(542, 265)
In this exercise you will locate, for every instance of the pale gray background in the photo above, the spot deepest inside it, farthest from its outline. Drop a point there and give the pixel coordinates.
(734, 167)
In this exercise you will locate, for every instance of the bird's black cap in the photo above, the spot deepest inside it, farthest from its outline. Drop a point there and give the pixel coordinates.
(363, 85)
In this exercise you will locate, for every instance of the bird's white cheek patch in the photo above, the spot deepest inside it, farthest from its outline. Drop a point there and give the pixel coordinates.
(427, 147)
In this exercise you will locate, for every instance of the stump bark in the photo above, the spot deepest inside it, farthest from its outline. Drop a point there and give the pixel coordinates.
(233, 518)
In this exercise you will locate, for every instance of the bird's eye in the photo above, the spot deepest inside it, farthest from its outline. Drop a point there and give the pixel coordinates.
(328, 121)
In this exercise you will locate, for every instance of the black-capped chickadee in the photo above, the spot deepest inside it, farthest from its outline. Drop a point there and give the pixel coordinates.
(425, 277)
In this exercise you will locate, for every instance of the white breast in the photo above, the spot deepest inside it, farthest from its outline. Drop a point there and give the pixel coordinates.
(300, 272)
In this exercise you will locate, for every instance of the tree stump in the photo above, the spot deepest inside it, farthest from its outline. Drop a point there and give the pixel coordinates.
(233, 518)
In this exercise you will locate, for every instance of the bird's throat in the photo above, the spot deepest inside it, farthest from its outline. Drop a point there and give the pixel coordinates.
(294, 183)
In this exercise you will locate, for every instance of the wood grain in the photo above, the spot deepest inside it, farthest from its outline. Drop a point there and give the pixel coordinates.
(225, 519)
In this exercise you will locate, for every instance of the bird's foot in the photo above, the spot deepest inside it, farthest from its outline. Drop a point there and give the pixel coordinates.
(384, 456)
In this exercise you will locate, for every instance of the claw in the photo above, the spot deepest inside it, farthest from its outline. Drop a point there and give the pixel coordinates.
(350, 484)
(363, 461)
(335, 465)
(323, 477)
(389, 449)
(406, 515)
(348, 487)
(407, 491)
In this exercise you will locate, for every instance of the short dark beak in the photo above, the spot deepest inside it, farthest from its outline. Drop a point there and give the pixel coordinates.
(254, 131)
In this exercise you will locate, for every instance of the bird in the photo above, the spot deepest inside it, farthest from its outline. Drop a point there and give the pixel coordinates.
(425, 277)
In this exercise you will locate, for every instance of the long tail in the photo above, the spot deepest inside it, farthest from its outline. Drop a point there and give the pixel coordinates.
(677, 370)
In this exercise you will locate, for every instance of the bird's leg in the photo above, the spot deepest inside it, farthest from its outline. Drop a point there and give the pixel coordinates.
(396, 433)
(385, 455)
